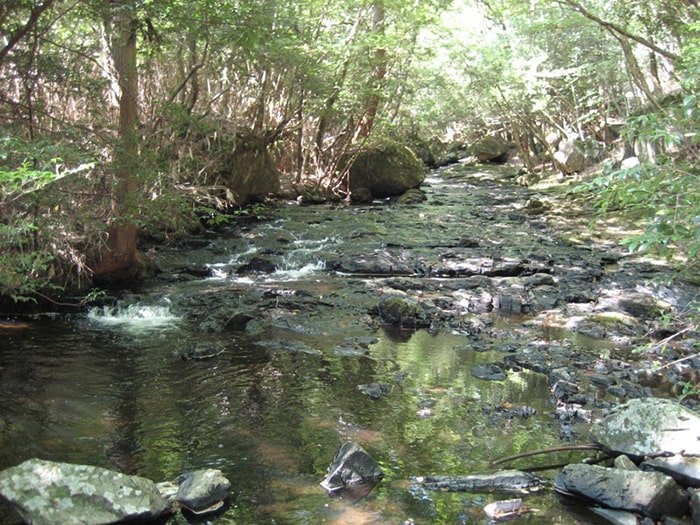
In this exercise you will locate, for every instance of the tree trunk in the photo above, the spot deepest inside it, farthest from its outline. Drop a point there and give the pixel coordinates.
(119, 256)
(378, 74)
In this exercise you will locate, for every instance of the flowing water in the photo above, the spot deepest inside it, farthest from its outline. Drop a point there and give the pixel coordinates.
(109, 386)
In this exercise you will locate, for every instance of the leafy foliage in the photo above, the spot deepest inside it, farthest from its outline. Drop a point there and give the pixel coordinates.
(662, 191)
(300, 78)
(36, 253)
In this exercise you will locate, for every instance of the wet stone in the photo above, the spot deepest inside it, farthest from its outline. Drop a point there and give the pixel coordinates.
(202, 490)
(511, 411)
(684, 469)
(257, 265)
(353, 472)
(504, 481)
(403, 311)
(600, 379)
(650, 493)
(624, 463)
(695, 505)
(567, 392)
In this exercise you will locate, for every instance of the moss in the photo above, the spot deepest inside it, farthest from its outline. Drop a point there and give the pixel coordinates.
(386, 170)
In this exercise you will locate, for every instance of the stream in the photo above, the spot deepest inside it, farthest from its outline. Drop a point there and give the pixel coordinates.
(252, 349)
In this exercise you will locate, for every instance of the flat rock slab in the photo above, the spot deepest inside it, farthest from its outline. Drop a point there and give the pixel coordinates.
(650, 493)
(649, 427)
(49, 493)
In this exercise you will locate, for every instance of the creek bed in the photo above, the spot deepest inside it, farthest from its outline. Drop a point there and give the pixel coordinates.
(279, 394)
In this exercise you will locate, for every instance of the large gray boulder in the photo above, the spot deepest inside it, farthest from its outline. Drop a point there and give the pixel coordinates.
(50, 493)
(649, 427)
(386, 170)
(652, 494)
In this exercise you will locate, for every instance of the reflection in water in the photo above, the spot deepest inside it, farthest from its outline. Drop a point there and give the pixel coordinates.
(270, 420)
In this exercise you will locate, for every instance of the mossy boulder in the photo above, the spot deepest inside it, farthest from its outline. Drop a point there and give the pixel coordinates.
(385, 170)
(490, 149)
(398, 310)
(249, 172)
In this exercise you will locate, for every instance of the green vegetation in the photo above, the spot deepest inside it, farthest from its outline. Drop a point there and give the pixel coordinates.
(662, 191)
(135, 122)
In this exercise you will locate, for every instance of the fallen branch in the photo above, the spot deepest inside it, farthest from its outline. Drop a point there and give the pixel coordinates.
(545, 451)
(686, 358)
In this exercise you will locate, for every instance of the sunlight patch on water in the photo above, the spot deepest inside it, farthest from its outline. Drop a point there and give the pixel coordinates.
(135, 317)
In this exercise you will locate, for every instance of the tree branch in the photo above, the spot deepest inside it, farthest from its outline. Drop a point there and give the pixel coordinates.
(20, 32)
(614, 28)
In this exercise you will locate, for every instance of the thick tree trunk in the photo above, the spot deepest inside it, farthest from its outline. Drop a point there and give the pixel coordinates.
(119, 257)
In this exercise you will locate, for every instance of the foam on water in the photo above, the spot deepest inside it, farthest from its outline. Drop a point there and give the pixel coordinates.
(221, 271)
(293, 272)
(134, 317)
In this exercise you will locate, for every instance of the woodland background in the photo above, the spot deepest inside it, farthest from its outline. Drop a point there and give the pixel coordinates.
(121, 120)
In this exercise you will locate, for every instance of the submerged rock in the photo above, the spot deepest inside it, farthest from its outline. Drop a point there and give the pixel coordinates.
(202, 350)
(414, 196)
(489, 371)
(50, 493)
(353, 472)
(375, 390)
(650, 493)
(504, 481)
(649, 427)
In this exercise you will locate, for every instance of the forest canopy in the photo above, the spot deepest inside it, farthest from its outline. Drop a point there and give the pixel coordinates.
(124, 122)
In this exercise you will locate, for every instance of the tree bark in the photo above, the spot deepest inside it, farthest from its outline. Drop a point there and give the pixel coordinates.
(119, 256)
(378, 74)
